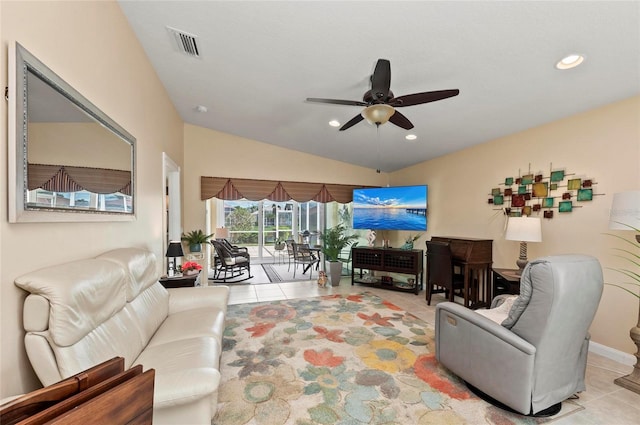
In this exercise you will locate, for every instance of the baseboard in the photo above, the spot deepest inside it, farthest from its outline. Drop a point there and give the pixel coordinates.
(612, 353)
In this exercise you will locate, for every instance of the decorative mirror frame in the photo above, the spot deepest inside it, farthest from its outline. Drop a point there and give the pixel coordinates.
(21, 62)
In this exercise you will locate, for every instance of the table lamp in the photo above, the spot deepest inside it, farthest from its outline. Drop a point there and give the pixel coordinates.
(222, 233)
(173, 250)
(625, 212)
(524, 229)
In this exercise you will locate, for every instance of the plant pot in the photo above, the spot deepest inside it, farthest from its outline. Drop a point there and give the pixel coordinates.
(190, 272)
(407, 246)
(195, 247)
(335, 272)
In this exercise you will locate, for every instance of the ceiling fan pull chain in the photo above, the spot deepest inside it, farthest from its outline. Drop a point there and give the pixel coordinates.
(378, 135)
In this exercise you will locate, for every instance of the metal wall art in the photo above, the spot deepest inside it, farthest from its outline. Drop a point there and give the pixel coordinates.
(535, 193)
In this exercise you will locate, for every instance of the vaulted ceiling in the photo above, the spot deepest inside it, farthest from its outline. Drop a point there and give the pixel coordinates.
(259, 60)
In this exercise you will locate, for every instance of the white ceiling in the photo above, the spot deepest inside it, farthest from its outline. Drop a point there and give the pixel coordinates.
(260, 60)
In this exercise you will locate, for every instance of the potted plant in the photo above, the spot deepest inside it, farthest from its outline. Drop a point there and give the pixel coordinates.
(195, 239)
(190, 268)
(278, 244)
(334, 240)
(408, 242)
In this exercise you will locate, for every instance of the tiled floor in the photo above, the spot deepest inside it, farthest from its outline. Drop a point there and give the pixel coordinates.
(605, 403)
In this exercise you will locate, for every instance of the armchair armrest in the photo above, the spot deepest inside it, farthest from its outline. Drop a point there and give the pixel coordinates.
(181, 299)
(485, 326)
(485, 354)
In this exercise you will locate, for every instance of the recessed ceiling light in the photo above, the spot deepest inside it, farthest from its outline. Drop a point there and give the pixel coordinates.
(570, 61)
(201, 108)
(334, 123)
(411, 137)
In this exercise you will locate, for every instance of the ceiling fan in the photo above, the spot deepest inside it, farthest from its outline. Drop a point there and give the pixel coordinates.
(380, 103)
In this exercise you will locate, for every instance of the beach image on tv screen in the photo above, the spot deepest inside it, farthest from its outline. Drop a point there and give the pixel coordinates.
(390, 208)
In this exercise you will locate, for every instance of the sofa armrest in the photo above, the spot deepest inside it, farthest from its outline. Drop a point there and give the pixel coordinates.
(181, 299)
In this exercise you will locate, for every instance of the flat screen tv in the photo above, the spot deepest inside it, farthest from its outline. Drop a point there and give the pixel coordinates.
(390, 208)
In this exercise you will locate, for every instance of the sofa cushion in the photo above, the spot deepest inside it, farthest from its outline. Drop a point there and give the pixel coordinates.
(186, 370)
(141, 264)
(82, 294)
(208, 322)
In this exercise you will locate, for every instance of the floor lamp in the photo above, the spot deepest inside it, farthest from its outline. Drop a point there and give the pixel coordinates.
(625, 215)
(523, 229)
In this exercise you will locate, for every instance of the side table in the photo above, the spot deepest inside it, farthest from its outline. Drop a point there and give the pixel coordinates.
(180, 281)
(505, 281)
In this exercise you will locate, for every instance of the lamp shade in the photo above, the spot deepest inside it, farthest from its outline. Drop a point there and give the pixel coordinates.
(174, 249)
(524, 229)
(222, 233)
(378, 114)
(625, 211)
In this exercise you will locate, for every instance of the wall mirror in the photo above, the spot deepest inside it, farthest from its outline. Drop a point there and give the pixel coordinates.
(68, 161)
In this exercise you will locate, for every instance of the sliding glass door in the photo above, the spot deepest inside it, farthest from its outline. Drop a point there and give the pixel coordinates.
(258, 225)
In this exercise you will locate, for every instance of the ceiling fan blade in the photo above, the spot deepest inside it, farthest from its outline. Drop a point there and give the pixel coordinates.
(381, 80)
(401, 121)
(419, 98)
(337, 101)
(355, 120)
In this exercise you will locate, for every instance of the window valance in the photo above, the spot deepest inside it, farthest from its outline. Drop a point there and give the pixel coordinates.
(65, 178)
(274, 190)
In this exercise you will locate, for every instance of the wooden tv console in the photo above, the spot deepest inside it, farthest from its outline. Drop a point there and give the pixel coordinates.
(391, 260)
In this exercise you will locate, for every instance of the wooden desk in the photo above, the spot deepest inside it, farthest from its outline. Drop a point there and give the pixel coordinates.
(181, 281)
(505, 281)
(474, 256)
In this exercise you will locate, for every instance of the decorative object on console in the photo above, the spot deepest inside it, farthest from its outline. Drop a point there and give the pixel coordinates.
(371, 237)
(533, 193)
(523, 229)
(408, 242)
(195, 239)
(625, 215)
(173, 250)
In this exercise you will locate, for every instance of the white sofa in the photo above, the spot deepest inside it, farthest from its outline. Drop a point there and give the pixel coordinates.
(82, 313)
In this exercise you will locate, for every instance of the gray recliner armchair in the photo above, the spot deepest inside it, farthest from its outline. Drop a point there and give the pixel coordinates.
(536, 357)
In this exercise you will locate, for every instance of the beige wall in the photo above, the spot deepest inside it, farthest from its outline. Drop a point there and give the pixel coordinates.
(602, 144)
(90, 45)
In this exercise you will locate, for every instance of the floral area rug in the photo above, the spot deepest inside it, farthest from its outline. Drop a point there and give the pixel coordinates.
(342, 359)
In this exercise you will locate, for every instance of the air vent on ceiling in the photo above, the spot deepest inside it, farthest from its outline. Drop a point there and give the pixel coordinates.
(186, 42)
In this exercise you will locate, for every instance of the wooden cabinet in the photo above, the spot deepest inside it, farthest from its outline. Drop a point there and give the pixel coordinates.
(405, 262)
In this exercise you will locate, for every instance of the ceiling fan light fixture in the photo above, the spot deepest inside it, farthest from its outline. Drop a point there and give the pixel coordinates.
(570, 61)
(378, 113)
(334, 123)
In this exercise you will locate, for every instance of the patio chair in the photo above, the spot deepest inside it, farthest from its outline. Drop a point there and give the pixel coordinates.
(290, 252)
(303, 255)
(230, 265)
(345, 257)
(235, 249)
